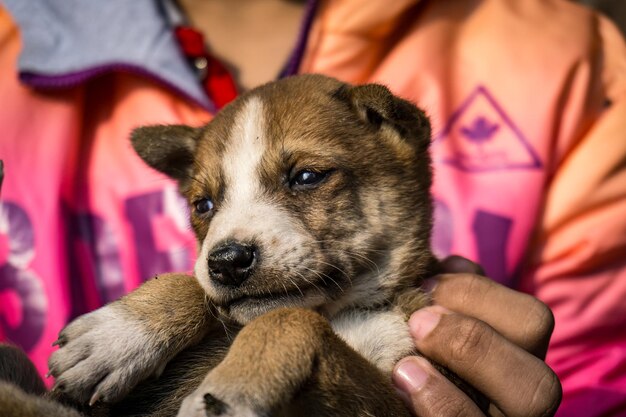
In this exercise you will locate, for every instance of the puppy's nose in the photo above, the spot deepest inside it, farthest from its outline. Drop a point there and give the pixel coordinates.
(232, 263)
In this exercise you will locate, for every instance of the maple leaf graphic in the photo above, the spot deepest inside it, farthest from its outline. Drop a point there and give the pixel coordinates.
(480, 131)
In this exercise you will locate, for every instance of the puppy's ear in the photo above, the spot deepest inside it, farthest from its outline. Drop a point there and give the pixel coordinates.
(377, 106)
(168, 149)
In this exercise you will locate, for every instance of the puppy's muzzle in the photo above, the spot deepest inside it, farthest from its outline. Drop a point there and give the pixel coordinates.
(231, 264)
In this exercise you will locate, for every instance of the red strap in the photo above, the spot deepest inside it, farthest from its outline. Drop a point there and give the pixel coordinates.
(217, 81)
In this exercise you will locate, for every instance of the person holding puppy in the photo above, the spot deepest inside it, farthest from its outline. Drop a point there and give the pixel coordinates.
(527, 93)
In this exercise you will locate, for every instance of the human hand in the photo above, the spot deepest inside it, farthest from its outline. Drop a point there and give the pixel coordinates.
(491, 336)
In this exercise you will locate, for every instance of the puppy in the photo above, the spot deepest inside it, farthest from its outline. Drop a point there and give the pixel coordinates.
(310, 202)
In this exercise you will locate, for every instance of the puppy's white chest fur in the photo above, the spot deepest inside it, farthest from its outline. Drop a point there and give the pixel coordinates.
(382, 337)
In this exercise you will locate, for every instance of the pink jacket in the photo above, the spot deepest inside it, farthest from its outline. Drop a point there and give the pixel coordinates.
(527, 100)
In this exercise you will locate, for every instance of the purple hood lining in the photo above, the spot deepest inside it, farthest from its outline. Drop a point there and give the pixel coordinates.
(72, 79)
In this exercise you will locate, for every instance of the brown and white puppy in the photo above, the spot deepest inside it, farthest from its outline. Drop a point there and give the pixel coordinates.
(310, 202)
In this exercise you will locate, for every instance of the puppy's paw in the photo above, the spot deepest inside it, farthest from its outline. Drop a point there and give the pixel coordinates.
(205, 404)
(104, 354)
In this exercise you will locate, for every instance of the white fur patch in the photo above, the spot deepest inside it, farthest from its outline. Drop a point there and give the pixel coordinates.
(106, 354)
(243, 156)
(240, 163)
(382, 337)
(194, 406)
(246, 214)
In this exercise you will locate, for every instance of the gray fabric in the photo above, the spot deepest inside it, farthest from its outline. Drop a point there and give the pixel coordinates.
(61, 37)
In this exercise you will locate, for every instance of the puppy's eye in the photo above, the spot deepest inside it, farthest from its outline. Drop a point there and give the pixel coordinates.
(307, 178)
(203, 205)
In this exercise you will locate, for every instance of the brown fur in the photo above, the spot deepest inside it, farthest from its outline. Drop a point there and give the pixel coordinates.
(22, 390)
(366, 229)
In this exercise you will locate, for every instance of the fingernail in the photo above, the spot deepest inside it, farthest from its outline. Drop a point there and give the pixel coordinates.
(402, 394)
(455, 264)
(429, 285)
(409, 375)
(422, 322)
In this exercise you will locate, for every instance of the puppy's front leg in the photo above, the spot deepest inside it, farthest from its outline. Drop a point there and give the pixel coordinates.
(105, 353)
(289, 362)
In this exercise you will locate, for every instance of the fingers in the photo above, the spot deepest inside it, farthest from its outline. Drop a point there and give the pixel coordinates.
(430, 394)
(517, 382)
(455, 264)
(521, 318)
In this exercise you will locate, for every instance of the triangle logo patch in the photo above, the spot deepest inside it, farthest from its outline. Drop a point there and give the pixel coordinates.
(481, 137)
